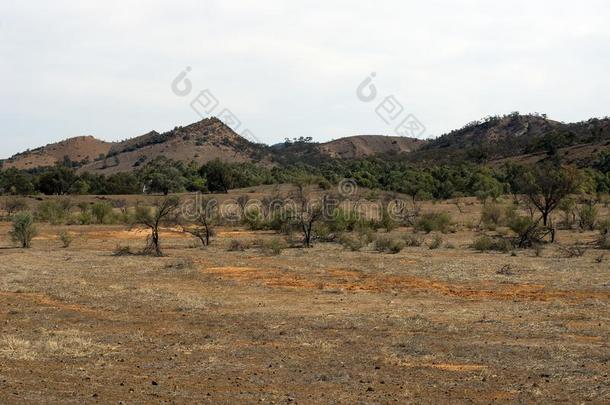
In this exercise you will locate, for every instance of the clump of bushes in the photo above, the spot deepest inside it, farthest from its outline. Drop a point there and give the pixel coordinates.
(485, 243)
(24, 229)
(54, 212)
(387, 244)
(434, 222)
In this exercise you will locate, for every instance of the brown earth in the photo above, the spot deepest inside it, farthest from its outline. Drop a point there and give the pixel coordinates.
(321, 325)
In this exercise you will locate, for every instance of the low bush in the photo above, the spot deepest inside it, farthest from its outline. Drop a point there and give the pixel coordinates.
(435, 222)
(485, 243)
(120, 250)
(603, 241)
(274, 246)
(351, 242)
(237, 246)
(436, 243)
(54, 212)
(587, 217)
(412, 240)
(491, 216)
(66, 239)
(387, 244)
(102, 212)
(24, 229)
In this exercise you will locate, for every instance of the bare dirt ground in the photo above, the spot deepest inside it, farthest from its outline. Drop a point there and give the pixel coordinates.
(315, 326)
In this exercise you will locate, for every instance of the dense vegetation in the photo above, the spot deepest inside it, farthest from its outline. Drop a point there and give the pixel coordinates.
(164, 176)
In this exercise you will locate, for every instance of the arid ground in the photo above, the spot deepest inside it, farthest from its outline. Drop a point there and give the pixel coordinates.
(309, 326)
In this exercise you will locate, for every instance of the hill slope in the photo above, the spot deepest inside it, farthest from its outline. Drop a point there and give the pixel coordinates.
(355, 147)
(80, 149)
(201, 142)
(522, 137)
(519, 138)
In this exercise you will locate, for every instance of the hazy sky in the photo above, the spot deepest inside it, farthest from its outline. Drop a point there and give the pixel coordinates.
(291, 68)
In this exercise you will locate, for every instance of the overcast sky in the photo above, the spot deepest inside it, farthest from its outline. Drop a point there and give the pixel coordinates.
(292, 68)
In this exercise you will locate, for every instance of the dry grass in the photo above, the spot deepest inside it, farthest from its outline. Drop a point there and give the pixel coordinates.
(321, 325)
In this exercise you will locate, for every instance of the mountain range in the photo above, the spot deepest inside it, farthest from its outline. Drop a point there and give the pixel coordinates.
(493, 140)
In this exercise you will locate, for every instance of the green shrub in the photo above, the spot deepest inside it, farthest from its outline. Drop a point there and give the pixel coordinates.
(53, 212)
(386, 222)
(344, 221)
(102, 212)
(274, 246)
(65, 238)
(439, 222)
(85, 218)
(485, 243)
(387, 244)
(350, 242)
(237, 246)
(587, 217)
(412, 240)
(603, 241)
(436, 243)
(254, 220)
(491, 216)
(24, 229)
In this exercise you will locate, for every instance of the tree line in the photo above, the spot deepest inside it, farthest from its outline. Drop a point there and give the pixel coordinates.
(164, 176)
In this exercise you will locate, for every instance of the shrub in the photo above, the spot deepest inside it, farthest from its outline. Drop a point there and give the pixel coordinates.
(237, 246)
(436, 243)
(587, 217)
(491, 216)
(350, 242)
(274, 246)
(485, 243)
(603, 241)
(53, 212)
(439, 222)
(343, 221)
(102, 212)
(412, 240)
(386, 222)
(65, 238)
(24, 229)
(120, 250)
(85, 218)
(15, 204)
(389, 245)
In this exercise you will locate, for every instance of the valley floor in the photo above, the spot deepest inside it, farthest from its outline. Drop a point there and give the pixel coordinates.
(321, 325)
